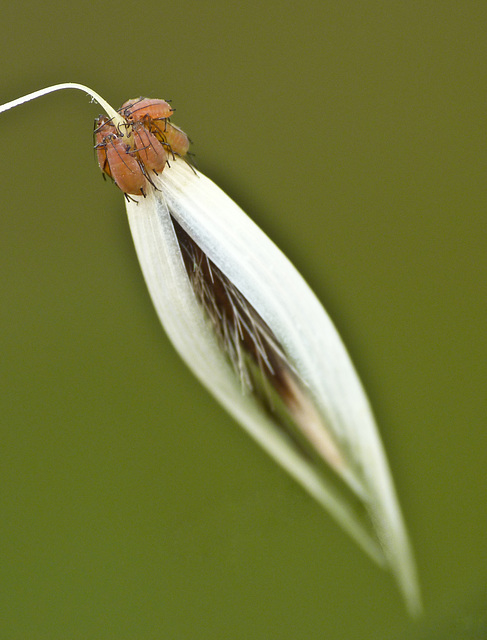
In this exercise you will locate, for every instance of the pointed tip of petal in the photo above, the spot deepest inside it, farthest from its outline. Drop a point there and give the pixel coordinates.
(300, 325)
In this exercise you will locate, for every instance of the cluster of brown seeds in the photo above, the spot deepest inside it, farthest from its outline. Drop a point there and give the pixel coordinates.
(130, 151)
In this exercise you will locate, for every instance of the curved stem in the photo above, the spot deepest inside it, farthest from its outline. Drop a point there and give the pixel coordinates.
(116, 117)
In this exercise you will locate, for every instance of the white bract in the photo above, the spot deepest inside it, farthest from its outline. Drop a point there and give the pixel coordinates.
(323, 396)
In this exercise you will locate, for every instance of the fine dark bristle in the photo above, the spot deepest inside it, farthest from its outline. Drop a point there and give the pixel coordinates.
(260, 362)
(257, 357)
(243, 334)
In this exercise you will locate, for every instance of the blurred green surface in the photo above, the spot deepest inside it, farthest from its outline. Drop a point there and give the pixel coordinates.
(131, 505)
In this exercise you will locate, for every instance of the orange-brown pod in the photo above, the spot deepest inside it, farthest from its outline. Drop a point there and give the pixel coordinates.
(150, 151)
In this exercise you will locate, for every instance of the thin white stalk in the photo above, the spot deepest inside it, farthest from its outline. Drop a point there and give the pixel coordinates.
(110, 111)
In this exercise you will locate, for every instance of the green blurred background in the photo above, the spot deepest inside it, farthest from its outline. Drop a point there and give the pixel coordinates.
(132, 506)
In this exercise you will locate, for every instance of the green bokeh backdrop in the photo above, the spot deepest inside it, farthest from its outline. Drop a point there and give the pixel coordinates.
(354, 133)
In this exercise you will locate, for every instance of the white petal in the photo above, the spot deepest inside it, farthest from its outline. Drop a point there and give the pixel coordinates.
(328, 402)
(336, 408)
